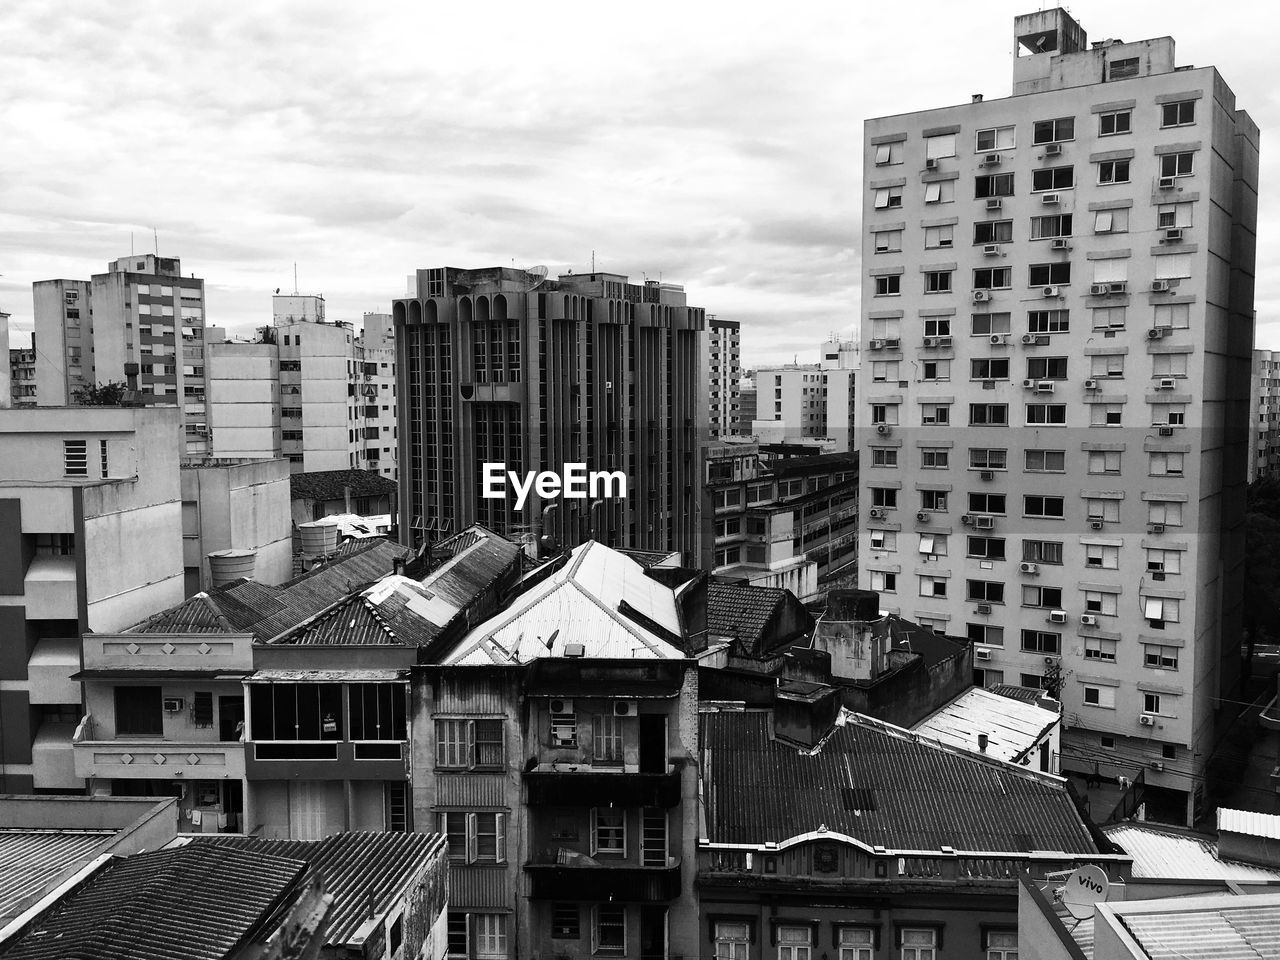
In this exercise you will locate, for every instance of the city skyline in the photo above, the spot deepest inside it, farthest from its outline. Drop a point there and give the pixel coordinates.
(720, 154)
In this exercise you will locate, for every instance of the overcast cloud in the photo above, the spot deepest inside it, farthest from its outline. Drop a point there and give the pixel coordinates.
(714, 145)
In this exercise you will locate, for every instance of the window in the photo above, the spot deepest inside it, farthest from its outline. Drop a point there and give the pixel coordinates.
(940, 147)
(888, 241)
(1173, 267)
(933, 500)
(1041, 641)
(938, 414)
(795, 943)
(1177, 164)
(1047, 414)
(733, 941)
(1175, 316)
(1107, 365)
(1159, 657)
(1164, 561)
(919, 944)
(1104, 461)
(993, 231)
(934, 458)
(883, 582)
(985, 324)
(1122, 69)
(1047, 368)
(1159, 611)
(943, 236)
(1111, 221)
(1101, 556)
(888, 198)
(566, 924)
(474, 837)
(935, 369)
(1044, 274)
(1098, 696)
(1054, 225)
(1096, 648)
(469, 744)
(994, 138)
(987, 503)
(988, 458)
(1151, 703)
(884, 540)
(889, 154)
(940, 191)
(883, 370)
(937, 326)
(933, 587)
(988, 414)
(933, 545)
(890, 286)
(607, 739)
(1179, 114)
(1037, 505)
(989, 368)
(1115, 123)
(1042, 551)
(1045, 461)
(1113, 171)
(1169, 365)
(1108, 318)
(1170, 215)
(856, 943)
(1054, 131)
(1053, 178)
(75, 458)
(986, 548)
(491, 936)
(1048, 597)
(993, 185)
(985, 633)
(884, 497)
(138, 712)
(456, 936)
(992, 278)
(1002, 945)
(884, 456)
(937, 281)
(884, 413)
(985, 591)
(886, 328)
(608, 831)
(1105, 414)
(1170, 414)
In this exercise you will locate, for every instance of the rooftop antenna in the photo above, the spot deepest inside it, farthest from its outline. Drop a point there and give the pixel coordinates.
(156, 235)
(295, 278)
(593, 261)
(131, 243)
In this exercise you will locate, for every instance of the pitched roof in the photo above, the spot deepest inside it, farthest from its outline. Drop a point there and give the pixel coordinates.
(1249, 822)
(1012, 727)
(1224, 927)
(196, 614)
(331, 484)
(188, 903)
(879, 785)
(600, 599)
(361, 870)
(745, 612)
(1169, 853)
(31, 860)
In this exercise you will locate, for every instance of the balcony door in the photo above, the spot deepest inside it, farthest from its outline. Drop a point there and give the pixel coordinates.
(230, 718)
(653, 743)
(653, 933)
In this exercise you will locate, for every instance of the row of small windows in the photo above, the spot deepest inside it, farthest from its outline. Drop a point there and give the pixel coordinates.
(1102, 367)
(1101, 509)
(1100, 462)
(1039, 552)
(1168, 267)
(1168, 415)
(886, 330)
(1181, 113)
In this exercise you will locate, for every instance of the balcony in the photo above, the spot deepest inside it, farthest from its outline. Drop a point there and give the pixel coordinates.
(50, 668)
(579, 785)
(151, 758)
(326, 760)
(625, 883)
(52, 758)
(50, 588)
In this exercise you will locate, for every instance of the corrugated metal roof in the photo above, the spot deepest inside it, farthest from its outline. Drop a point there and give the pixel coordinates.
(1249, 822)
(1012, 726)
(582, 603)
(361, 870)
(1170, 853)
(196, 614)
(188, 903)
(31, 860)
(881, 785)
(1237, 932)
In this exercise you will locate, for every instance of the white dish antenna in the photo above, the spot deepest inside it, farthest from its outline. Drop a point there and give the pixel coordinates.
(536, 276)
(1086, 886)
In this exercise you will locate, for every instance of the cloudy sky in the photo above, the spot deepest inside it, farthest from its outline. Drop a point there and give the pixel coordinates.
(715, 145)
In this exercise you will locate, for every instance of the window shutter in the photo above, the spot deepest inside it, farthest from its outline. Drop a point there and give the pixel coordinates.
(500, 825)
(593, 832)
(471, 838)
(470, 745)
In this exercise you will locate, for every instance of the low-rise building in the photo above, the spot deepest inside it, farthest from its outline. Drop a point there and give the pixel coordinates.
(1002, 727)
(323, 493)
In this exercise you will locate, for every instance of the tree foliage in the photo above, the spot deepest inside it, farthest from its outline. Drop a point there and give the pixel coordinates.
(112, 394)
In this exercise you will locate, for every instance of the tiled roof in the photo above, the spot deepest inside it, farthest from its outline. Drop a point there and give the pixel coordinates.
(879, 785)
(30, 860)
(1168, 853)
(1249, 822)
(745, 612)
(600, 599)
(189, 903)
(1014, 692)
(362, 871)
(1012, 727)
(330, 484)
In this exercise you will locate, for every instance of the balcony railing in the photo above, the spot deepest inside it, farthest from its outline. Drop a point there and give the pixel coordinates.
(126, 757)
(591, 786)
(327, 759)
(620, 883)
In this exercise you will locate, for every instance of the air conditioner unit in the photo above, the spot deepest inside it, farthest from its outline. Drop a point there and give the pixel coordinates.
(1088, 620)
(990, 160)
(981, 296)
(1157, 766)
(1028, 338)
(1155, 528)
(883, 429)
(986, 475)
(1095, 524)
(981, 653)
(1029, 568)
(1050, 292)
(1166, 383)
(991, 250)
(1147, 719)
(984, 523)
(922, 517)
(624, 708)
(1098, 290)
(1156, 333)
(984, 608)
(172, 704)
(1060, 243)
(999, 339)
(1159, 286)
(1119, 286)
(930, 341)
(892, 344)
(1057, 616)
(1157, 574)
(1091, 384)
(877, 344)
(943, 341)
(1044, 386)
(931, 163)
(1173, 235)
(1052, 149)
(562, 708)
(966, 519)
(876, 513)
(1166, 431)
(1166, 183)
(994, 203)
(1050, 198)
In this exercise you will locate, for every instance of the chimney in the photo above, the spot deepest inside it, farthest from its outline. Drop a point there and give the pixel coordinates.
(397, 566)
(976, 98)
(982, 743)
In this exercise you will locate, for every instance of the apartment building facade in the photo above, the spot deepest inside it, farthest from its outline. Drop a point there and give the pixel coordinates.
(142, 322)
(724, 375)
(22, 372)
(502, 366)
(1264, 416)
(1074, 261)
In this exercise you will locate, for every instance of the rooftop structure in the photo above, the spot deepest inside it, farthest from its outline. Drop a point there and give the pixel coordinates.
(1000, 727)
(1173, 853)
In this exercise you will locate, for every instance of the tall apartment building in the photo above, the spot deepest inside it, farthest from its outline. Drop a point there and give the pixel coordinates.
(748, 402)
(1264, 417)
(1075, 261)
(22, 372)
(141, 322)
(806, 401)
(501, 366)
(7, 392)
(724, 373)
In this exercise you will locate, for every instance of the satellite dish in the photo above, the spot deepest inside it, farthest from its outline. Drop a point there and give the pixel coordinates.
(536, 276)
(1086, 886)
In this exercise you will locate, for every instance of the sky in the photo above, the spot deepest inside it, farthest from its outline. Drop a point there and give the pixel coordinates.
(713, 145)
